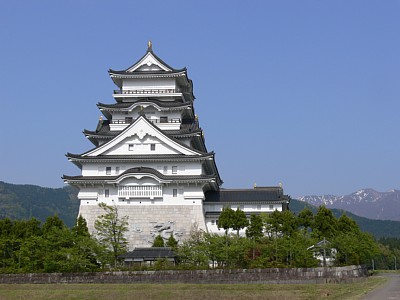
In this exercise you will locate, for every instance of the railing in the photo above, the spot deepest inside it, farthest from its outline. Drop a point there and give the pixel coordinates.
(149, 91)
(154, 121)
(140, 191)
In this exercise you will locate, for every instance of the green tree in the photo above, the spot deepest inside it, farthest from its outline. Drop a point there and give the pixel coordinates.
(52, 223)
(325, 224)
(353, 246)
(215, 249)
(345, 225)
(193, 252)
(288, 223)
(254, 232)
(80, 227)
(239, 221)
(255, 228)
(226, 219)
(158, 241)
(111, 229)
(172, 242)
(305, 219)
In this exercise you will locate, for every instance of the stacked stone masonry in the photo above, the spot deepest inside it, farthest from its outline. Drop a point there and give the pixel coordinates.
(250, 276)
(148, 221)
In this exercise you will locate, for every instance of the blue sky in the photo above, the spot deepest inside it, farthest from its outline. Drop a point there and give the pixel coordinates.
(305, 93)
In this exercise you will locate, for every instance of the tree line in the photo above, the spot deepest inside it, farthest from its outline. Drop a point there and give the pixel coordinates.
(28, 246)
(279, 239)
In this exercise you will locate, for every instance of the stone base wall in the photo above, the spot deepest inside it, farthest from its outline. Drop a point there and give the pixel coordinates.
(148, 221)
(275, 275)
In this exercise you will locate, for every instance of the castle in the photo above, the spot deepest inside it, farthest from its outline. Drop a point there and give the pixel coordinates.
(151, 162)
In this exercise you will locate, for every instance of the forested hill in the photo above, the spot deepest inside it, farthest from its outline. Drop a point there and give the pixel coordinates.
(378, 228)
(19, 201)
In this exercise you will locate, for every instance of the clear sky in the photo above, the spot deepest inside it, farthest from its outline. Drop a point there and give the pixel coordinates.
(305, 93)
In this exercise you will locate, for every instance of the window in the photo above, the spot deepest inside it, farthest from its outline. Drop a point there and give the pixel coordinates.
(106, 193)
(128, 120)
(152, 147)
(116, 170)
(271, 207)
(174, 169)
(258, 206)
(165, 169)
(130, 147)
(212, 222)
(163, 119)
(175, 193)
(108, 170)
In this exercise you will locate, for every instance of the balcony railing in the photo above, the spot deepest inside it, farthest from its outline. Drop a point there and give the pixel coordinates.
(140, 191)
(154, 121)
(149, 91)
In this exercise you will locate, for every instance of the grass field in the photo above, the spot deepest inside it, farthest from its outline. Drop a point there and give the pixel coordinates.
(188, 291)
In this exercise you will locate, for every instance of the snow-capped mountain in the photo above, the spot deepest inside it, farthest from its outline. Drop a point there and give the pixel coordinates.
(365, 203)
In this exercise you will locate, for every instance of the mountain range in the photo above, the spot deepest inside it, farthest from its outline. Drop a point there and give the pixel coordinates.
(19, 201)
(366, 203)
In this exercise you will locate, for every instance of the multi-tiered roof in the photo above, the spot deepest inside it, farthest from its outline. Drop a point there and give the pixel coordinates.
(151, 95)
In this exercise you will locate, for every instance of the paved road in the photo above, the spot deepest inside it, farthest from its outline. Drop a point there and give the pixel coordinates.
(390, 290)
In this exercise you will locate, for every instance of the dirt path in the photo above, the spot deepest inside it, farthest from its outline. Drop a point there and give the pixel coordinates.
(390, 290)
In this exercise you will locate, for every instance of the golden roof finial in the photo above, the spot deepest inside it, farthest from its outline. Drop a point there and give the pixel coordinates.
(255, 185)
(149, 46)
(101, 118)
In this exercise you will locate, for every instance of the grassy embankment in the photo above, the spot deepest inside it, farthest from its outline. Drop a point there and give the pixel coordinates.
(189, 291)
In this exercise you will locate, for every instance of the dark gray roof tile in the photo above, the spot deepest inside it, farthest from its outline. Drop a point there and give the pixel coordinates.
(246, 195)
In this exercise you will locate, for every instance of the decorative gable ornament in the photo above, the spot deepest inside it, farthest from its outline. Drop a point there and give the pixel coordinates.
(148, 63)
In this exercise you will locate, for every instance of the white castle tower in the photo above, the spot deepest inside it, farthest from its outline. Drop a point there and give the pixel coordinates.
(151, 162)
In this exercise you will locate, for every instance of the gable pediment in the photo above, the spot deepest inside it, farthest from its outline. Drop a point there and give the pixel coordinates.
(149, 63)
(137, 140)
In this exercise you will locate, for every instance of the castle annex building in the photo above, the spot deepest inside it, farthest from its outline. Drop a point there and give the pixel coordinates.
(150, 159)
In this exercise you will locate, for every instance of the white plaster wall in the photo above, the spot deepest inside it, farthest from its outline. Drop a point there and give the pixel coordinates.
(248, 208)
(88, 193)
(152, 83)
(188, 168)
(151, 114)
(193, 192)
(140, 147)
(94, 195)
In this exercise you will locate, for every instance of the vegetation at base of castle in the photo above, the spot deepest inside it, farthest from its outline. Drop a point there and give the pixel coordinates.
(158, 241)
(111, 229)
(280, 239)
(234, 219)
(29, 246)
(172, 243)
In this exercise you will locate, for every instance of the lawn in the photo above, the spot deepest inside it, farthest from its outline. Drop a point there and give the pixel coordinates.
(188, 291)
